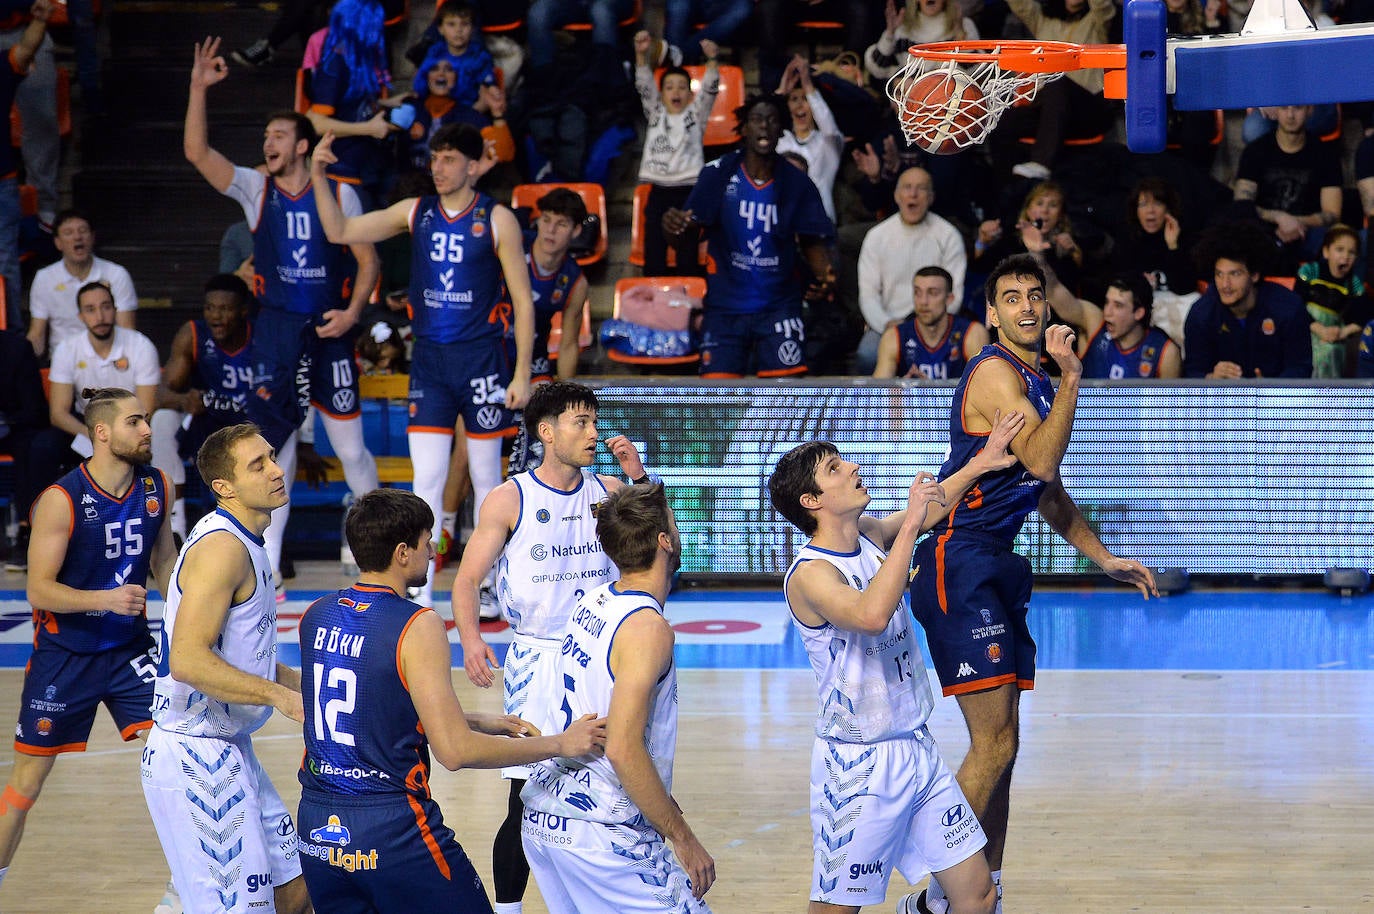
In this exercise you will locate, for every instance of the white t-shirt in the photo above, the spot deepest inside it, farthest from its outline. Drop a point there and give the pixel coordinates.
(52, 296)
(250, 186)
(891, 254)
(132, 363)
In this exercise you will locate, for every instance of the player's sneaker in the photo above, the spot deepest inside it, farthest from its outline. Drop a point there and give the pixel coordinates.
(171, 901)
(441, 549)
(916, 903)
(488, 608)
(18, 559)
(257, 54)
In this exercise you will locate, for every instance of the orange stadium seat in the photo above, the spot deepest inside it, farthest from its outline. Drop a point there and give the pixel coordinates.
(1288, 282)
(302, 99)
(592, 195)
(720, 123)
(696, 287)
(637, 227)
(584, 333)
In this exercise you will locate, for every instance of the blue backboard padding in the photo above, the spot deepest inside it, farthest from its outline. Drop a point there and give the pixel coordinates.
(1147, 113)
(1315, 71)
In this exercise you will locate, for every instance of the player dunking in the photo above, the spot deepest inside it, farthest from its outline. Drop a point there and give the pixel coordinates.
(881, 796)
(972, 592)
(312, 292)
(463, 244)
(378, 698)
(97, 534)
(540, 526)
(224, 830)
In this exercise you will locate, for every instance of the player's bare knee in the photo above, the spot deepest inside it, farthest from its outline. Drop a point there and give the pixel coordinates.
(997, 745)
(26, 780)
(985, 904)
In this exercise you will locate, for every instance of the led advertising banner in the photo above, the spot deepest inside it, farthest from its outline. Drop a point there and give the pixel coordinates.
(1259, 479)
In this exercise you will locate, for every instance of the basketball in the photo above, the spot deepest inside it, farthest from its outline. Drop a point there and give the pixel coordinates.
(944, 112)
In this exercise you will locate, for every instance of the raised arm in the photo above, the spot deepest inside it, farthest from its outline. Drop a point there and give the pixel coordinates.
(1059, 511)
(495, 521)
(213, 572)
(368, 228)
(207, 69)
(641, 653)
(1040, 446)
(426, 666)
(32, 37)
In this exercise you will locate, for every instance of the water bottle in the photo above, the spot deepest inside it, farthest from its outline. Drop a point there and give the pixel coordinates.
(350, 567)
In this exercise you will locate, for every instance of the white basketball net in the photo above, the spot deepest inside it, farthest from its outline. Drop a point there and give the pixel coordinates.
(952, 124)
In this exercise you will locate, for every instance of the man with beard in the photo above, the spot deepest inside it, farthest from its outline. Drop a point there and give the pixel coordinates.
(106, 355)
(933, 344)
(539, 529)
(378, 698)
(757, 210)
(973, 591)
(596, 830)
(312, 292)
(224, 830)
(52, 294)
(97, 534)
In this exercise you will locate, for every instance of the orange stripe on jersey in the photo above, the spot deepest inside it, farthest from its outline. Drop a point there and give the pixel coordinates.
(26, 749)
(980, 685)
(483, 436)
(432, 429)
(782, 372)
(326, 110)
(422, 821)
(502, 314)
(330, 413)
(720, 374)
(401, 640)
(131, 732)
(940, 594)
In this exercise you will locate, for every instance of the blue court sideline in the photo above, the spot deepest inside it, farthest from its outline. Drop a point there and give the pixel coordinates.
(1078, 629)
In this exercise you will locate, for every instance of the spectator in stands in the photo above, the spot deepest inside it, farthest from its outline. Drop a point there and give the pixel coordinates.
(1364, 183)
(36, 101)
(52, 296)
(1154, 244)
(1293, 182)
(893, 251)
(915, 22)
(1336, 301)
(1073, 105)
(1116, 339)
(1042, 227)
(474, 71)
(673, 153)
(347, 97)
(437, 108)
(12, 72)
(545, 16)
(23, 417)
(106, 355)
(557, 284)
(720, 20)
(1242, 327)
(205, 383)
(813, 133)
(935, 344)
(295, 18)
(862, 20)
(757, 211)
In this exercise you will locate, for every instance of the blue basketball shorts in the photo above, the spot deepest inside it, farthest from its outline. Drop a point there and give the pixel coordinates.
(62, 690)
(773, 343)
(448, 380)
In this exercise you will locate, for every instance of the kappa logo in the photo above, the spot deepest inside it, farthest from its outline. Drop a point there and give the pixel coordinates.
(966, 670)
(86, 499)
(300, 255)
(446, 278)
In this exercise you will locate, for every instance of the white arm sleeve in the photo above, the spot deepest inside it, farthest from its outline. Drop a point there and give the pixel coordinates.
(247, 189)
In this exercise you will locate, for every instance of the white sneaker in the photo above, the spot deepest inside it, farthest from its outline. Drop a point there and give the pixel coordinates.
(907, 904)
(1033, 170)
(171, 901)
(488, 609)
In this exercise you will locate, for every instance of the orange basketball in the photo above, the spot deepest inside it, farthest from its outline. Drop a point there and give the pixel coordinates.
(944, 112)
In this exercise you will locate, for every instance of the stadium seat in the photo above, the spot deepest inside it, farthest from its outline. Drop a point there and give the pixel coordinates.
(816, 31)
(1217, 136)
(1288, 282)
(585, 25)
(637, 226)
(584, 333)
(696, 287)
(302, 99)
(592, 195)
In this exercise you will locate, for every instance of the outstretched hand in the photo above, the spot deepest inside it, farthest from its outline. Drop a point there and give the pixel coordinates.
(208, 66)
(324, 156)
(1129, 571)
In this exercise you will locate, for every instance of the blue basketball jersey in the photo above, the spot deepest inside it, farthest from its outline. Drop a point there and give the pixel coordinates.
(295, 267)
(550, 298)
(940, 363)
(362, 732)
(1106, 359)
(998, 503)
(751, 232)
(111, 544)
(456, 283)
(225, 377)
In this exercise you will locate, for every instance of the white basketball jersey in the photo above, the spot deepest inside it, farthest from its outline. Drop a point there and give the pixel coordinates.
(248, 641)
(552, 557)
(871, 687)
(588, 787)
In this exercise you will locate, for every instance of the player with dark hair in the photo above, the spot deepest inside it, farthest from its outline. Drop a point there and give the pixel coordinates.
(934, 344)
(378, 699)
(1117, 339)
(596, 830)
(539, 531)
(973, 591)
(464, 246)
(97, 535)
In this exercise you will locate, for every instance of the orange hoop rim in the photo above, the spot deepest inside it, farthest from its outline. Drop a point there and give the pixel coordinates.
(1024, 55)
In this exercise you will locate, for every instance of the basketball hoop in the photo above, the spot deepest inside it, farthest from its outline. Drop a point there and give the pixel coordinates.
(950, 94)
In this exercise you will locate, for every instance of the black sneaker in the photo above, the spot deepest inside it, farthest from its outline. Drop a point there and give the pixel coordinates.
(19, 552)
(257, 54)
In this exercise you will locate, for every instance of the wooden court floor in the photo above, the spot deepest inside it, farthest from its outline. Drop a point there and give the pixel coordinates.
(1135, 791)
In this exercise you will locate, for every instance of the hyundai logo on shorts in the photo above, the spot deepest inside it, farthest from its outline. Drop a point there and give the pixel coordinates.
(952, 815)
